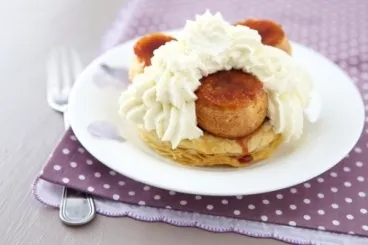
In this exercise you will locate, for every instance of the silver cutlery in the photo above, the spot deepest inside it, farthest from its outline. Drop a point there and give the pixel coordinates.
(63, 67)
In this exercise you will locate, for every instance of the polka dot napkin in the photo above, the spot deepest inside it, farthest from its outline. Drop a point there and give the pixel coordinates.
(335, 201)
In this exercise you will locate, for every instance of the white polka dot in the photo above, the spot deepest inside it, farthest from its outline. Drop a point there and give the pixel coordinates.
(146, 188)
(90, 189)
(168, 207)
(183, 202)
(81, 150)
(358, 149)
(41, 172)
(279, 196)
(293, 190)
(89, 162)
(322, 228)
(292, 207)
(321, 212)
(66, 151)
(209, 207)
(362, 194)
(306, 217)
(359, 164)
(348, 200)
(224, 201)
(131, 193)
(57, 167)
(292, 223)
(251, 206)
(320, 180)
(335, 222)
(334, 189)
(265, 201)
(157, 197)
(320, 195)
(198, 197)
(121, 183)
(307, 185)
(360, 178)
(115, 197)
(334, 206)
(142, 203)
(172, 193)
(97, 175)
(73, 138)
(73, 164)
(333, 174)
(113, 173)
(236, 212)
(363, 211)
(65, 180)
(264, 218)
(307, 201)
(81, 177)
(278, 212)
(349, 216)
(106, 186)
(347, 184)
(346, 169)
(239, 197)
(365, 227)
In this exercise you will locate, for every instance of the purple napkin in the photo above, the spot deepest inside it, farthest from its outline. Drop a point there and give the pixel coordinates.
(336, 201)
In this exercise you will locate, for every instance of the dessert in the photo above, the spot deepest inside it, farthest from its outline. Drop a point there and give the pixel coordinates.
(221, 94)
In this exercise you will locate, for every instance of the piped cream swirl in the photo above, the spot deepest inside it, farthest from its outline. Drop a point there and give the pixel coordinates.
(162, 98)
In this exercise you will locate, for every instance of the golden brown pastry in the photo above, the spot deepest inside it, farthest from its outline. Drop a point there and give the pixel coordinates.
(271, 33)
(231, 104)
(210, 150)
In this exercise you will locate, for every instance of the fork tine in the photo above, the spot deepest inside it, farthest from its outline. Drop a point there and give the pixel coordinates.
(52, 67)
(66, 71)
(77, 64)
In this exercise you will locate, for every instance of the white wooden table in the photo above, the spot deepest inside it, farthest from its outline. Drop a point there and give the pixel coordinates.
(29, 129)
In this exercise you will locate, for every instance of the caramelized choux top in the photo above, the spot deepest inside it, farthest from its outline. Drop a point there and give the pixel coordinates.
(231, 104)
(228, 89)
(145, 46)
(271, 32)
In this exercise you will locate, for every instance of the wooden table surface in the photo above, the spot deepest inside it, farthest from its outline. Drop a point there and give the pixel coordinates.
(29, 129)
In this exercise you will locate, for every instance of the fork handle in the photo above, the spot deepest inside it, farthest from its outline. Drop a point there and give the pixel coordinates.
(76, 208)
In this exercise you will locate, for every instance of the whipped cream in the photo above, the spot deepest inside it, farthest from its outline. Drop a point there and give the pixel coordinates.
(162, 98)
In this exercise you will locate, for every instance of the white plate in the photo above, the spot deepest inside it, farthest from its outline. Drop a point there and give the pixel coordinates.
(322, 146)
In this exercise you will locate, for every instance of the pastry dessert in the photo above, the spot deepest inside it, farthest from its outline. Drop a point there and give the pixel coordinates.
(221, 94)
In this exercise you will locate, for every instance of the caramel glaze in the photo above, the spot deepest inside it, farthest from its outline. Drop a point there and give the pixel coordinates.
(228, 89)
(245, 159)
(145, 46)
(243, 143)
(270, 31)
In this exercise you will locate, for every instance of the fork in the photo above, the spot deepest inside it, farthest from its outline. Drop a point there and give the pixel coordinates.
(63, 67)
